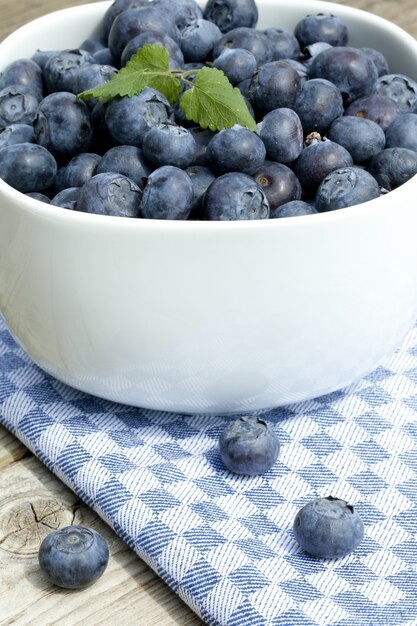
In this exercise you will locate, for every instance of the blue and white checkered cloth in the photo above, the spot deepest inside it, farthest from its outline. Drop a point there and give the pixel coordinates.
(224, 542)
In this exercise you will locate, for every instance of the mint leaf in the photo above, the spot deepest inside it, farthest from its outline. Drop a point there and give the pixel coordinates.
(214, 103)
(149, 67)
(211, 101)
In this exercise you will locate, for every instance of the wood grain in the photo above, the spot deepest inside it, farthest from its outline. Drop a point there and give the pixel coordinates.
(33, 501)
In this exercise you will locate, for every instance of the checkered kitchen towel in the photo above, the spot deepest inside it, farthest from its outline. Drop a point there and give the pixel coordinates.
(224, 542)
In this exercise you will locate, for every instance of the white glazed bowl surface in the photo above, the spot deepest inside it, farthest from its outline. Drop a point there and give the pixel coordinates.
(206, 317)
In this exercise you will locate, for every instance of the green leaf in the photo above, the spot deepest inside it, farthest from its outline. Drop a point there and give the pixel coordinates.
(149, 67)
(214, 103)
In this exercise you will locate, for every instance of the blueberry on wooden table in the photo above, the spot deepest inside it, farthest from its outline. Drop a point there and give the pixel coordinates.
(249, 446)
(73, 557)
(328, 528)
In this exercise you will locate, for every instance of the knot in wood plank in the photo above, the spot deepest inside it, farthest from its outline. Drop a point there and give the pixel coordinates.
(24, 522)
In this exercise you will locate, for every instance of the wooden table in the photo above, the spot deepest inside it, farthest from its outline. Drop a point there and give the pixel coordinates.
(33, 501)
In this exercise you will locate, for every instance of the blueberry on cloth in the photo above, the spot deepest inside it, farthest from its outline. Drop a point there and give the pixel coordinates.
(248, 446)
(328, 528)
(73, 557)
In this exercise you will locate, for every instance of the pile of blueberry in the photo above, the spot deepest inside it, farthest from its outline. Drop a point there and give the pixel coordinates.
(75, 556)
(324, 527)
(334, 127)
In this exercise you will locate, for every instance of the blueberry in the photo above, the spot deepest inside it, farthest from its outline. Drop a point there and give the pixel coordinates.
(235, 149)
(117, 7)
(90, 76)
(318, 104)
(67, 198)
(24, 72)
(198, 39)
(36, 195)
(105, 57)
(274, 85)
(295, 208)
(379, 59)
(133, 45)
(169, 144)
(247, 38)
(282, 134)
(234, 196)
(380, 109)
(202, 138)
(402, 132)
(60, 71)
(135, 21)
(110, 194)
(41, 57)
(126, 160)
(181, 12)
(328, 528)
(201, 177)
(93, 44)
(249, 446)
(16, 133)
(128, 119)
(27, 167)
(400, 88)
(279, 184)
(346, 187)
(73, 557)
(350, 69)
(300, 68)
(80, 169)
(63, 124)
(229, 14)
(238, 64)
(362, 138)
(328, 28)
(317, 160)
(18, 105)
(283, 44)
(393, 166)
(168, 194)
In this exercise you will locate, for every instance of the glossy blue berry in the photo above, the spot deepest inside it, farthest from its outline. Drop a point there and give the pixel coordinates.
(247, 38)
(62, 68)
(234, 196)
(73, 557)
(167, 195)
(393, 166)
(110, 194)
(376, 107)
(27, 167)
(362, 138)
(294, 208)
(229, 14)
(321, 27)
(346, 187)
(350, 69)
(282, 134)
(169, 144)
(328, 528)
(249, 445)
(400, 88)
(63, 124)
(235, 149)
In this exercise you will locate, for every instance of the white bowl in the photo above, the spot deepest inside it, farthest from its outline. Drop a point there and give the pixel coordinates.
(205, 317)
